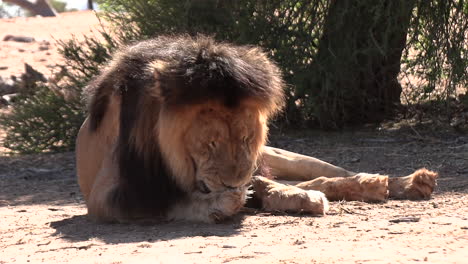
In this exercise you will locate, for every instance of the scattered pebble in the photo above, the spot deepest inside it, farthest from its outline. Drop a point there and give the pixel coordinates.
(405, 220)
(18, 38)
(228, 246)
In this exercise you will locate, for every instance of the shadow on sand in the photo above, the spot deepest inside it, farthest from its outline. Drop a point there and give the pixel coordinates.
(82, 228)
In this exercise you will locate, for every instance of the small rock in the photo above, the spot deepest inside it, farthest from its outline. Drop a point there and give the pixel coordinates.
(9, 98)
(43, 47)
(18, 38)
(405, 220)
(298, 242)
(228, 246)
(7, 86)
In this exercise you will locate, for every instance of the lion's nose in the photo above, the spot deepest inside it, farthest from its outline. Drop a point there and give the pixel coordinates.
(235, 183)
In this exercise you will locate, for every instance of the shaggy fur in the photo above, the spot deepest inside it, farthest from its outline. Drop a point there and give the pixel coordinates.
(190, 70)
(177, 126)
(168, 75)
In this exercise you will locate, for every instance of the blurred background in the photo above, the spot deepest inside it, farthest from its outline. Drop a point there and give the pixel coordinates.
(387, 64)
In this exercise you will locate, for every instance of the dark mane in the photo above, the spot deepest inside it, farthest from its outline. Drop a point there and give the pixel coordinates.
(196, 69)
(193, 70)
(146, 186)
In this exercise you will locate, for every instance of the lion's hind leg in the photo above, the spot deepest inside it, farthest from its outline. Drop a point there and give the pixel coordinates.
(275, 196)
(290, 166)
(416, 186)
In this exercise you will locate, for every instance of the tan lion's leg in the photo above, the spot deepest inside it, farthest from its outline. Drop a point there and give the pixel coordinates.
(275, 196)
(374, 187)
(290, 166)
(360, 187)
(98, 200)
(337, 183)
(313, 174)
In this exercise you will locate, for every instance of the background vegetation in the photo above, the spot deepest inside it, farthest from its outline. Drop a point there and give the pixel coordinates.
(348, 62)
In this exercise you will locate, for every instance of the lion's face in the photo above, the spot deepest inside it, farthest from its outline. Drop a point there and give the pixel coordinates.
(211, 148)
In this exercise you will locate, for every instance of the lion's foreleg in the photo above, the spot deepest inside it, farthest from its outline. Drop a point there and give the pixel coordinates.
(98, 201)
(291, 166)
(275, 196)
(209, 208)
(360, 187)
(373, 187)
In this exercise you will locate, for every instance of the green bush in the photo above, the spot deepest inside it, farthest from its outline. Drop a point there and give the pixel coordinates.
(344, 59)
(341, 58)
(435, 60)
(42, 122)
(47, 116)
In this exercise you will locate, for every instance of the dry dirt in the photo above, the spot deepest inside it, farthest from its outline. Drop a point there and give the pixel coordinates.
(42, 56)
(43, 218)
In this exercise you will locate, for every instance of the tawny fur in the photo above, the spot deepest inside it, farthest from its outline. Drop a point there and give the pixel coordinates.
(176, 116)
(162, 108)
(275, 196)
(417, 186)
(361, 187)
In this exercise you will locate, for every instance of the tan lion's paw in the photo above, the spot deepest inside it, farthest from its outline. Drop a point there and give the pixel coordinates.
(292, 199)
(416, 186)
(209, 208)
(228, 204)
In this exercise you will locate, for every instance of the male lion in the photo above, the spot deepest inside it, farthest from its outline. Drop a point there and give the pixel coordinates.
(177, 127)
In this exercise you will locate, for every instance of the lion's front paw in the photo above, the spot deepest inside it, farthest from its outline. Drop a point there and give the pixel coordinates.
(416, 186)
(227, 204)
(292, 199)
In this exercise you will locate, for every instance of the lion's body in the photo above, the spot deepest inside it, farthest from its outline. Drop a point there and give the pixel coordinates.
(176, 127)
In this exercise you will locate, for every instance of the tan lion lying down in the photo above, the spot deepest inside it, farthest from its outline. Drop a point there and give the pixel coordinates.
(177, 127)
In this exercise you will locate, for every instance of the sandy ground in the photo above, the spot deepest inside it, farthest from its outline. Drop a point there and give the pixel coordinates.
(42, 53)
(43, 218)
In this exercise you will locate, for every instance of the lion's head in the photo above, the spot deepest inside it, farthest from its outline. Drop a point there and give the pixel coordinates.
(193, 116)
